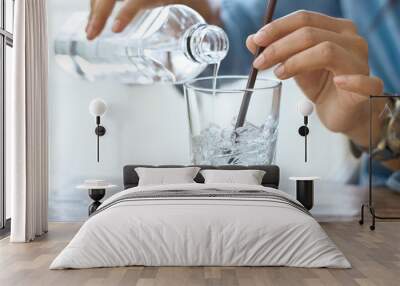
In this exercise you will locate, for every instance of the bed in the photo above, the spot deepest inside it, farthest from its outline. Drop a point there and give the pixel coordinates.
(198, 224)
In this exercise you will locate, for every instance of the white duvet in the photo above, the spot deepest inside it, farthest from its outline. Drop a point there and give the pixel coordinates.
(193, 231)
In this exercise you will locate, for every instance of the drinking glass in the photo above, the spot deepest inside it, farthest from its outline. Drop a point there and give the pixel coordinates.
(213, 105)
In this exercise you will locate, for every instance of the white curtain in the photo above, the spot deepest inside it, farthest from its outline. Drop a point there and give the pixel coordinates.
(26, 123)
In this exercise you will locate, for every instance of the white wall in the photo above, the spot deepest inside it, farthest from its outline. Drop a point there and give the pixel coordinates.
(147, 125)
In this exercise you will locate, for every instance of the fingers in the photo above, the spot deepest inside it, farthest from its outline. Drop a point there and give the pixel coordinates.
(127, 13)
(326, 55)
(251, 45)
(360, 84)
(100, 11)
(92, 4)
(292, 22)
(303, 39)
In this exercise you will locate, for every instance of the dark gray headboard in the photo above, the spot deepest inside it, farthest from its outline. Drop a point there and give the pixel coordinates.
(271, 177)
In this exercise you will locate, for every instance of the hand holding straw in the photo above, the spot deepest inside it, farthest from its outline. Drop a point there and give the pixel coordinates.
(253, 73)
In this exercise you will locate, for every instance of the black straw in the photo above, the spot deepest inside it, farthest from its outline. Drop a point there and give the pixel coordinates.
(253, 73)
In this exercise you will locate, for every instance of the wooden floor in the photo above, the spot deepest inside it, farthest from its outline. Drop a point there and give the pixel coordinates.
(375, 257)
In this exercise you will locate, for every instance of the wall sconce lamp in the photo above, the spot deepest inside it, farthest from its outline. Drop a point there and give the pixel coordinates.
(97, 108)
(305, 108)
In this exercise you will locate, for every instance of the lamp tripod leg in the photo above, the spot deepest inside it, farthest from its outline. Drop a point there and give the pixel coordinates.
(372, 211)
(361, 221)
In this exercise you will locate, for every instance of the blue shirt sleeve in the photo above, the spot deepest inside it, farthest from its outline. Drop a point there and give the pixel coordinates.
(379, 24)
(242, 18)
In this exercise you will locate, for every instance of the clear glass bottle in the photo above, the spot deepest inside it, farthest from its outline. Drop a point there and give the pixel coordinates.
(165, 44)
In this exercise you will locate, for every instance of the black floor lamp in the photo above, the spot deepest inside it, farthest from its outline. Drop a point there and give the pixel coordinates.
(370, 205)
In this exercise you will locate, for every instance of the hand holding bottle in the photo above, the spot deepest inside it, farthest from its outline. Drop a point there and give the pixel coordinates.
(172, 43)
(100, 10)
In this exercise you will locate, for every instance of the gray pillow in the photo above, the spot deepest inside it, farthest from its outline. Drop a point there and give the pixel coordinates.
(166, 176)
(247, 177)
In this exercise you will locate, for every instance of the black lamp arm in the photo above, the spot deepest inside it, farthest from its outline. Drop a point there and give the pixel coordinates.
(304, 131)
(99, 131)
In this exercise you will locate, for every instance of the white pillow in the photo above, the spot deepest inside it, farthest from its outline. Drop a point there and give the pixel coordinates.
(166, 176)
(248, 177)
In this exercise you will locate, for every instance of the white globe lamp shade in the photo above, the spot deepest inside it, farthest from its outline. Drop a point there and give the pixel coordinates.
(97, 107)
(305, 107)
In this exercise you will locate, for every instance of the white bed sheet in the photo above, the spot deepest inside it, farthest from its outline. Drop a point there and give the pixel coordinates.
(200, 232)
